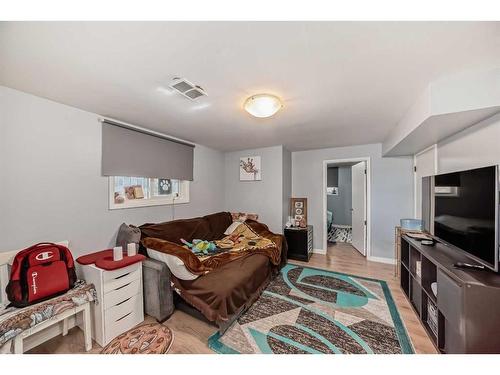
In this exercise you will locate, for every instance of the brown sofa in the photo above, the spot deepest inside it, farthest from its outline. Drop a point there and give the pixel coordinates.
(221, 295)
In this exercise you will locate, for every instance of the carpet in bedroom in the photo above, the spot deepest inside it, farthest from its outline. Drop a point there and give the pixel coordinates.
(309, 310)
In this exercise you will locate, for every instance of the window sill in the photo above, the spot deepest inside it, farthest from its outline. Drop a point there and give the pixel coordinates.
(137, 203)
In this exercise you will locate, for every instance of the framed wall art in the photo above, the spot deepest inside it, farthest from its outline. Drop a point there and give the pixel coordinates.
(298, 211)
(334, 190)
(250, 169)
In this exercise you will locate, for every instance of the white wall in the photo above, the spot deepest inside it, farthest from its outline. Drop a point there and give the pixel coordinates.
(477, 146)
(447, 105)
(287, 185)
(391, 194)
(262, 197)
(51, 183)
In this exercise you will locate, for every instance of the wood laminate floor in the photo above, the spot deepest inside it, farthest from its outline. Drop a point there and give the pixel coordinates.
(190, 334)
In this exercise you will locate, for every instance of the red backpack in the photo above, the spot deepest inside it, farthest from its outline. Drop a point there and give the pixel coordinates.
(40, 272)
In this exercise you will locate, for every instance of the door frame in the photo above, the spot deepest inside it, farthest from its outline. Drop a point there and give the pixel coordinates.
(415, 183)
(368, 216)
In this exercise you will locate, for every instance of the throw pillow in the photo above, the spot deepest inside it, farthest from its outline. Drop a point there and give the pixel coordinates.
(127, 234)
(230, 229)
(243, 216)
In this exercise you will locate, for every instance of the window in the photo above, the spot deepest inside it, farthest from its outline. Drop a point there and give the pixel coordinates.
(129, 192)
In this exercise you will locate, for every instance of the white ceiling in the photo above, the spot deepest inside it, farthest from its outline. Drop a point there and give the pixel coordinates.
(342, 83)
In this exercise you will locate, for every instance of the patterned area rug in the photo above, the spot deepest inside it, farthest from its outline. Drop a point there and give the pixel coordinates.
(151, 338)
(308, 310)
(340, 233)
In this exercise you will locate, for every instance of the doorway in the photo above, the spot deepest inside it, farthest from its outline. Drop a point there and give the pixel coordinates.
(346, 203)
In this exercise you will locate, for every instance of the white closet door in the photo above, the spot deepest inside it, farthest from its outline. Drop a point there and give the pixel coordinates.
(425, 163)
(359, 207)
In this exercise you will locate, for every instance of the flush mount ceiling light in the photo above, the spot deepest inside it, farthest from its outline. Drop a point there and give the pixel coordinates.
(263, 105)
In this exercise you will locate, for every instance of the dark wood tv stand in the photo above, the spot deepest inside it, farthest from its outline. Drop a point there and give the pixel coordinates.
(467, 301)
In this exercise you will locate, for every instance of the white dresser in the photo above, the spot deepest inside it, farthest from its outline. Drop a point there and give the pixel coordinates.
(120, 300)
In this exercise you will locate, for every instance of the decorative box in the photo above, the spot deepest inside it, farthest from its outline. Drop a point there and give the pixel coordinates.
(412, 224)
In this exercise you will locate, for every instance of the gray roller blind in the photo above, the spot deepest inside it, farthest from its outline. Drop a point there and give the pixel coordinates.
(130, 152)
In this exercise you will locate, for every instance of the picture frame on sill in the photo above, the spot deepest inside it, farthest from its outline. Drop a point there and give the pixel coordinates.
(134, 192)
(164, 186)
(138, 192)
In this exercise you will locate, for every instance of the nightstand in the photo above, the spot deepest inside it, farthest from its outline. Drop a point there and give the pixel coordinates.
(300, 243)
(120, 300)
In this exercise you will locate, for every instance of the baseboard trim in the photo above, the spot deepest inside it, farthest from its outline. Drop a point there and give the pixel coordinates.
(319, 251)
(381, 260)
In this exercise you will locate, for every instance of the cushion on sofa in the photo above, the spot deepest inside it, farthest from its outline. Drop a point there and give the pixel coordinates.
(127, 234)
(243, 216)
(230, 229)
(175, 264)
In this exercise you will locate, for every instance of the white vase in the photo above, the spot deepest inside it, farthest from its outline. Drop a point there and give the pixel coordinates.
(131, 249)
(117, 253)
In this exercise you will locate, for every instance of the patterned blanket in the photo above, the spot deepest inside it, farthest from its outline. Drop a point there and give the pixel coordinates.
(13, 320)
(246, 240)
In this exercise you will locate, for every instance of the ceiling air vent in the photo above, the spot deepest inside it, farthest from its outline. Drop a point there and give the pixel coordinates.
(187, 89)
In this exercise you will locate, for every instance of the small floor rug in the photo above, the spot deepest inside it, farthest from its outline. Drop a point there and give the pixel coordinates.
(340, 233)
(308, 310)
(151, 338)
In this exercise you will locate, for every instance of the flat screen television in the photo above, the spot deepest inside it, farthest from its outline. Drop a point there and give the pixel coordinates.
(466, 213)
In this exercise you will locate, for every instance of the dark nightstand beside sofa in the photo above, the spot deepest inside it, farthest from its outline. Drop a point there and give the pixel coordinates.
(300, 242)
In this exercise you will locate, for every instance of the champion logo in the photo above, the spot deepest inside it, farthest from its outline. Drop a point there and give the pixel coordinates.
(45, 255)
(34, 275)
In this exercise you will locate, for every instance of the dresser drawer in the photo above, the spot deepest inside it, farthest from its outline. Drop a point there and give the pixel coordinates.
(114, 280)
(115, 274)
(116, 324)
(120, 294)
(122, 309)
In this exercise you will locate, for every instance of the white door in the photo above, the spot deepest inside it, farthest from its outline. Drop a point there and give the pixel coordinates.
(359, 207)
